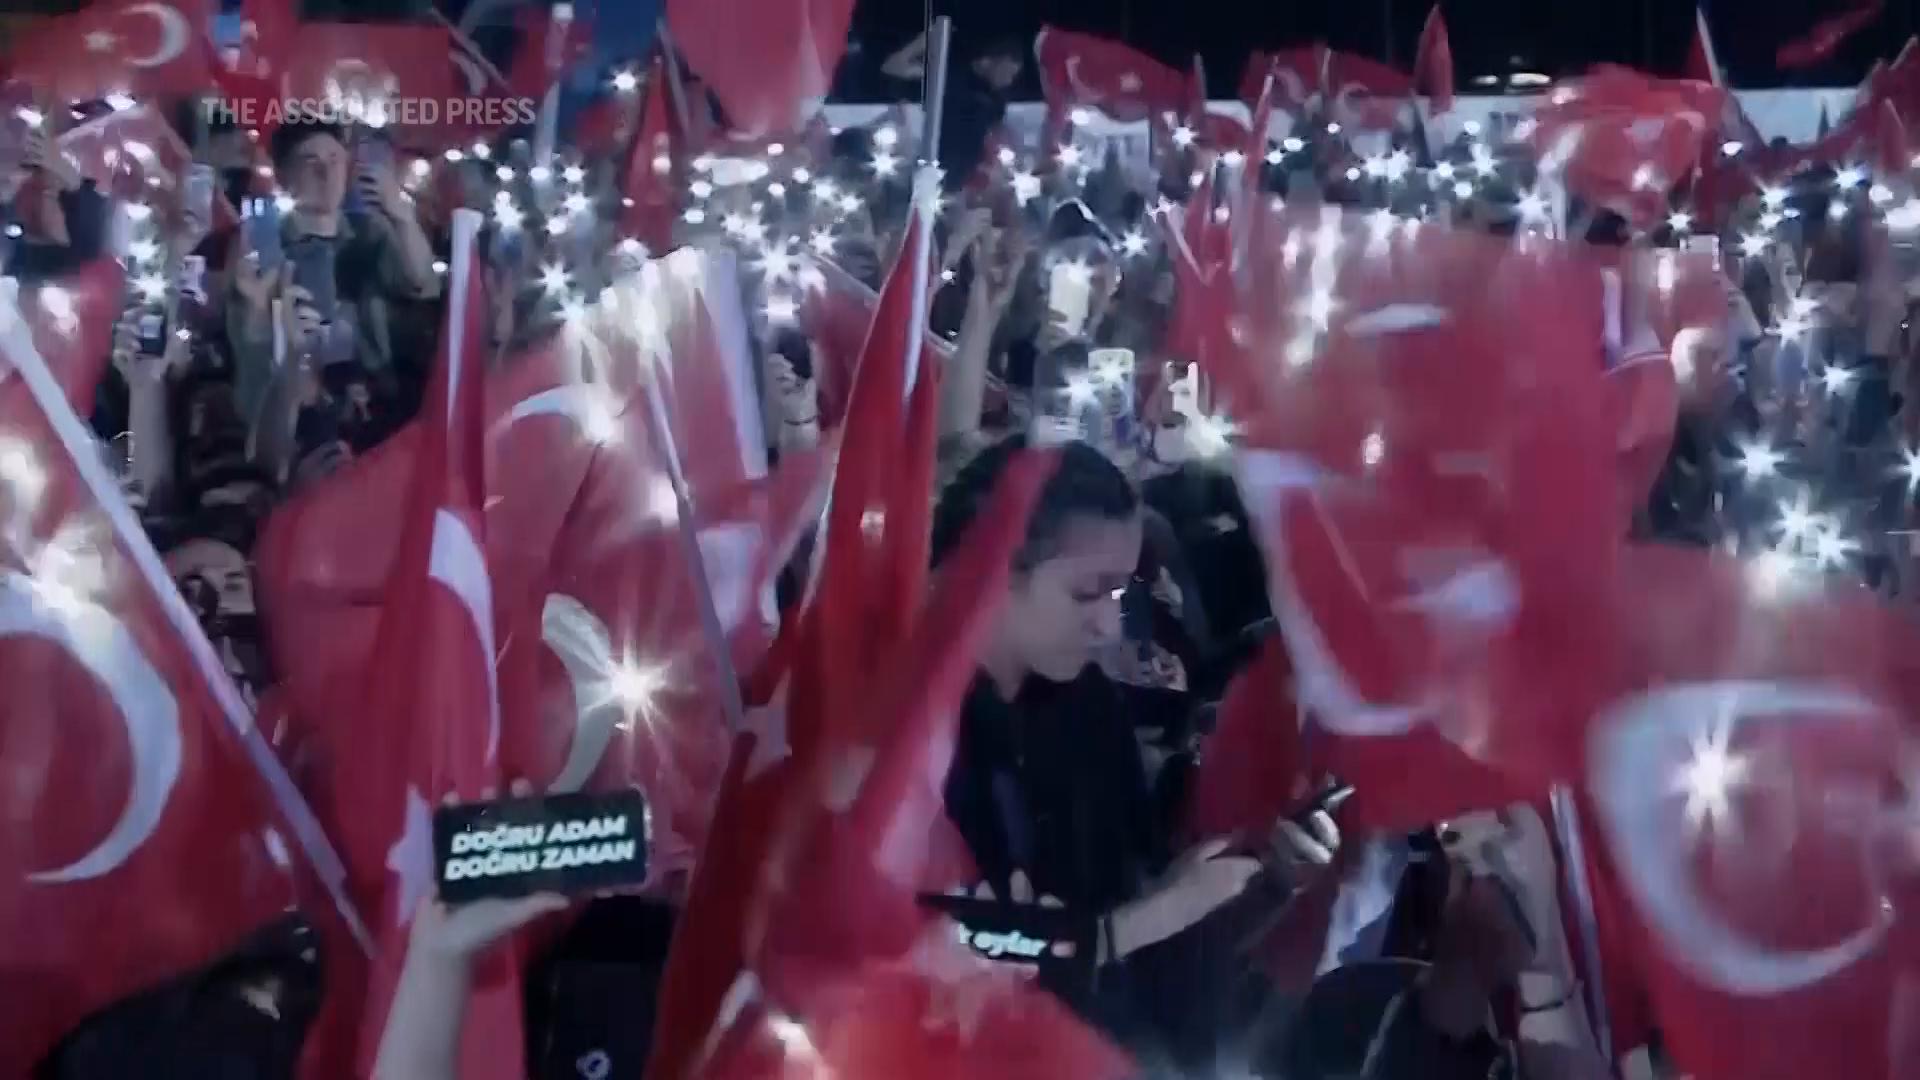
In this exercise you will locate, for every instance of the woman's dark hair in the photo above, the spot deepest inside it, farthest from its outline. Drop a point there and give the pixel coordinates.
(1085, 484)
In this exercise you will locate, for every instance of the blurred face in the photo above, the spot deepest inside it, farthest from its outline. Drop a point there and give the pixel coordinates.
(1064, 608)
(216, 574)
(316, 174)
(999, 72)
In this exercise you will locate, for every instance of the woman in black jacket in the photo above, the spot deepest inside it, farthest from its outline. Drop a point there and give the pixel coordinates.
(1047, 785)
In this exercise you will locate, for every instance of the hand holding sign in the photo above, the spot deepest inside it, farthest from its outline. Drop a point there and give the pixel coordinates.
(566, 844)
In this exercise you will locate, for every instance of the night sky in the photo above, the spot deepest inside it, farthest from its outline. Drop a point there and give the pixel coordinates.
(1556, 36)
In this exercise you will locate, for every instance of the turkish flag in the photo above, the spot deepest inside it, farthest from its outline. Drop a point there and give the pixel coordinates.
(770, 62)
(1204, 296)
(1081, 70)
(323, 560)
(422, 723)
(1366, 94)
(134, 154)
(145, 834)
(377, 66)
(1827, 35)
(612, 681)
(135, 47)
(1429, 525)
(1623, 139)
(1747, 780)
(1433, 62)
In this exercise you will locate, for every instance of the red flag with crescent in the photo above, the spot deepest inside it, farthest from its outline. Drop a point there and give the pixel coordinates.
(133, 47)
(1082, 70)
(129, 761)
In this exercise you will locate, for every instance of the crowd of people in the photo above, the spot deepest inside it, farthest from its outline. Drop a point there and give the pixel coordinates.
(286, 342)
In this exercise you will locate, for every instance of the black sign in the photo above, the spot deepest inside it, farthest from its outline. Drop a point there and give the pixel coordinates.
(1056, 940)
(563, 843)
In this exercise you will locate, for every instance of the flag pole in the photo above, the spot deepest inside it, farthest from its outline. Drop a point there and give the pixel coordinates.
(939, 48)
(545, 126)
(676, 90)
(732, 705)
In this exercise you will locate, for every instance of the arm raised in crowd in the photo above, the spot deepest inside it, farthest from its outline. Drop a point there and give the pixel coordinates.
(998, 256)
(151, 459)
(422, 1038)
(408, 268)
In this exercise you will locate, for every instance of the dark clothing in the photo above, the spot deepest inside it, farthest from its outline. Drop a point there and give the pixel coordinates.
(1052, 784)
(973, 109)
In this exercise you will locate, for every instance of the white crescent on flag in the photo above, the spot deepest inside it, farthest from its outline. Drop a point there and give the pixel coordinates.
(1271, 480)
(175, 34)
(578, 637)
(1634, 740)
(1082, 93)
(457, 562)
(102, 645)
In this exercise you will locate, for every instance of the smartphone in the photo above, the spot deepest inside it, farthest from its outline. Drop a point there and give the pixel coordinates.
(263, 232)
(1070, 295)
(151, 329)
(313, 268)
(369, 152)
(197, 195)
(192, 280)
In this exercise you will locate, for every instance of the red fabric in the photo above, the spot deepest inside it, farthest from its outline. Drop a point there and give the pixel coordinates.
(1624, 139)
(1365, 94)
(864, 522)
(136, 155)
(322, 61)
(1433, 63)
(1254, 767)
(1382, 638)
(117, 46)
(770, 62)
(1335, 85)
(1464, 641)
(1203, 285)
(1893, 152)
(419, 726)
(1792, 861)
(124, 775)
(835, 318)
(1826, 36)
(77, 350)
(322, 561)
(653, 169)
(622, 593)
(1093, 72)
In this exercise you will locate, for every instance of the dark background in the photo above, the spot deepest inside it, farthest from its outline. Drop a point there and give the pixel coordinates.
(1558, 37)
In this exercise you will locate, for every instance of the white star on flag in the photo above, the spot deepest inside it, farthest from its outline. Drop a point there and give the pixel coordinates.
(101, 41)
(1130, 83)
(411, 858)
